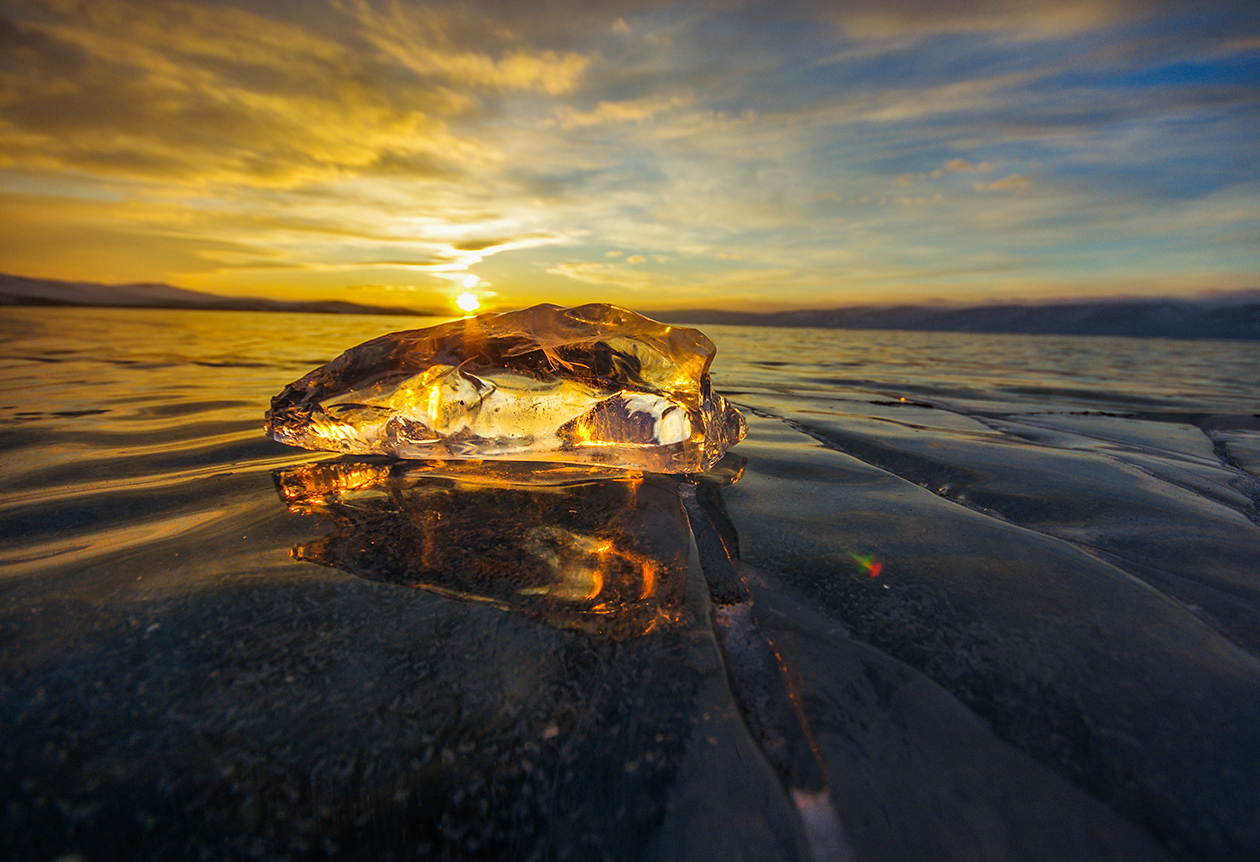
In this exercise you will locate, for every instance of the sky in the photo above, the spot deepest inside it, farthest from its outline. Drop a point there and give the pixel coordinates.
(658, 155)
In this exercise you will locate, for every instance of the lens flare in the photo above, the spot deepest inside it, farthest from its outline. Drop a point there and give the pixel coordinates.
(871, 566)
(468, 301)
(471, 280)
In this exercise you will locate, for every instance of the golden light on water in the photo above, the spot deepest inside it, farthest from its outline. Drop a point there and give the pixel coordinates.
(468, 301)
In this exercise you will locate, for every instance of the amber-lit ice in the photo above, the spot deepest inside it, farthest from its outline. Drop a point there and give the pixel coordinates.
(595, 549)
(595, 384)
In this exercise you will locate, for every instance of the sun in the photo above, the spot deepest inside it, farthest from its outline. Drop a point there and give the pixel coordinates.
(468, 301)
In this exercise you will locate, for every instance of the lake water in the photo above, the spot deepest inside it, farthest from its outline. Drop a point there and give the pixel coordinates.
(1013, 584)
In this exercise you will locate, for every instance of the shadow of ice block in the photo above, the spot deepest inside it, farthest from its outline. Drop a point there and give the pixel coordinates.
(579, 547)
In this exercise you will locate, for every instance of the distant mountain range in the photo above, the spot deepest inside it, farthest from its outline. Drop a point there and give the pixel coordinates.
(1226, 316)
(18, 290)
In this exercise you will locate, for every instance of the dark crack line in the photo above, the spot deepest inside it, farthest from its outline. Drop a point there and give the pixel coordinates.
(759, 683)
(1245, 483)
(835, 446)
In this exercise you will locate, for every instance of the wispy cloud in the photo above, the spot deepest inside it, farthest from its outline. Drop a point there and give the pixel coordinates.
(420, 39)
(613, 113)
(1014, 181)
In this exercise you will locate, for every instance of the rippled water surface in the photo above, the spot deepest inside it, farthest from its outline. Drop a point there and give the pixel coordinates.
(1012, 579)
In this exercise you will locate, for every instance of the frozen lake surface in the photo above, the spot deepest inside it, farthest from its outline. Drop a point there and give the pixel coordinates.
(1013, 581)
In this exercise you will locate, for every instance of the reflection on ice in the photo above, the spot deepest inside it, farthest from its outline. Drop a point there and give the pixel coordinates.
(602, 551)
(582, 547)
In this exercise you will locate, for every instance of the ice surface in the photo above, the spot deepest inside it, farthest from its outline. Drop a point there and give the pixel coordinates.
(1045, 631)
(595, 384)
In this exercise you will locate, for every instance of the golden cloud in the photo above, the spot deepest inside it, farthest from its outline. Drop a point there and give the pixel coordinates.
(1014, 181)
(417, 38)
(614, 113)
(194, 94)
(957, 166)
(235, 141)
(605, 275)
(898, 19)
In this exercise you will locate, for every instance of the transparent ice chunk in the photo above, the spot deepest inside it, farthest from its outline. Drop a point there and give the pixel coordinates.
(595, 384)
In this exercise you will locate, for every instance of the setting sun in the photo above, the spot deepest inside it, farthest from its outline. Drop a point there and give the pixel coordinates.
(468, 301)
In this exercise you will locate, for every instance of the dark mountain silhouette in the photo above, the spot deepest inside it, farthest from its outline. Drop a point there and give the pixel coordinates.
(1224, 316)
(1221, 316)
(18, 290)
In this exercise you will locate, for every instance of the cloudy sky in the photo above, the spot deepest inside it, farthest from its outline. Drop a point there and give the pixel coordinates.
(654, 154)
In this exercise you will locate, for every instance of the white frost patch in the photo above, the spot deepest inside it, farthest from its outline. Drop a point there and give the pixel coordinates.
(672, 425)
